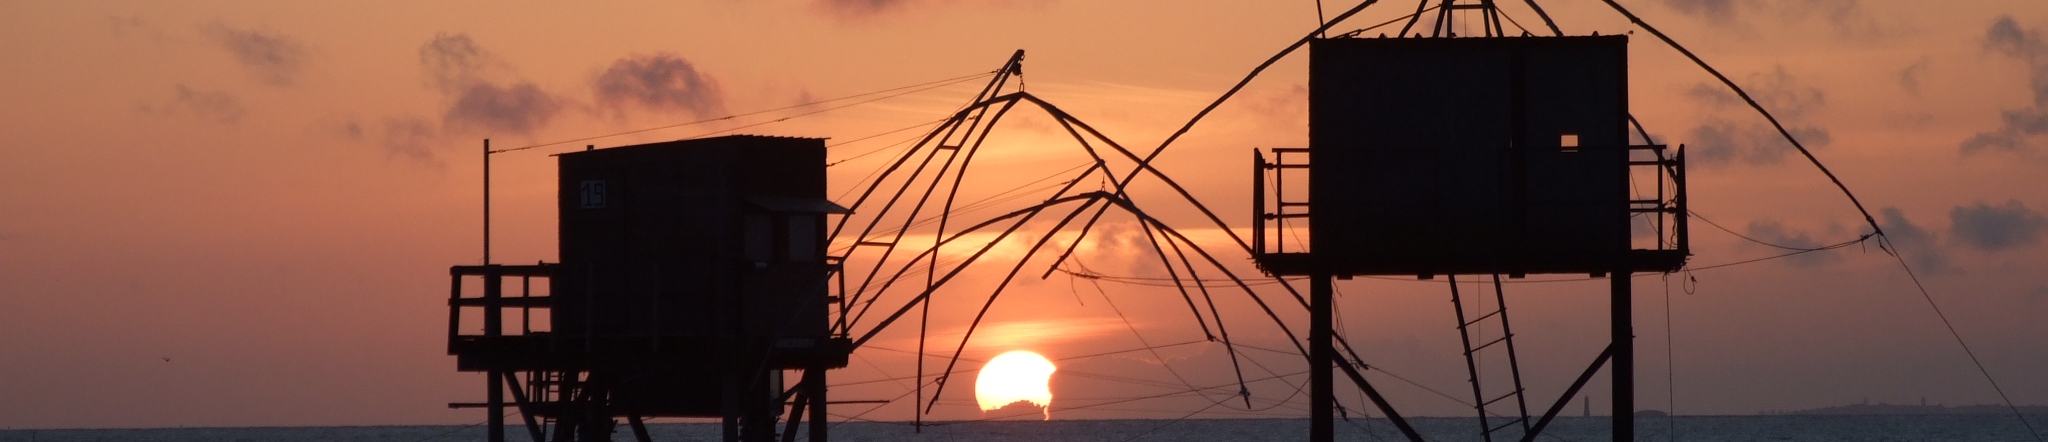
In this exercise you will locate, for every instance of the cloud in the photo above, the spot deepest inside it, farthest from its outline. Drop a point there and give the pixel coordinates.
(1992, 228)
(1718, 11)
(1846, 18)
(519, 108)
(274, 58)
(2005, 37)
(411, 138)
(212, 105)
(861, 8)
(1909, 77)
(135, 25)
(660, 82)
(1720, 141)
(1916, 243)
(851, 10)
(407, 137)
(462, 70)
(1785, 95)
(1772, 232)
(455, 61)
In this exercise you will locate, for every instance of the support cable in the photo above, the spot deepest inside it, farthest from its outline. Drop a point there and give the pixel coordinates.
(1965, 345)
(869, 137)
(1884, 241)
(1141, 337)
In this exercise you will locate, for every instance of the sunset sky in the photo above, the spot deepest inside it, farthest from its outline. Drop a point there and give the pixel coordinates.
(241, 213)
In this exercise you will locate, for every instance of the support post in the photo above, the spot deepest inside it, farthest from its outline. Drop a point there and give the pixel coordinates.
(729, 407)
(814, 381)
(487, 201)
(494, 324)
(1321, 394)
(1622, 314)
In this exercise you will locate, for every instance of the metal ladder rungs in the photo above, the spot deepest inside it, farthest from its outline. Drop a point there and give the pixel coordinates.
(1511, 422)
(1488, 344)
(1504, 396)
(1482, 318)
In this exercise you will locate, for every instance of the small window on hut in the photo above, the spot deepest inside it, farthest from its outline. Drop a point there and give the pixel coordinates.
(760, 238)
(803, 237)
(1568, 142)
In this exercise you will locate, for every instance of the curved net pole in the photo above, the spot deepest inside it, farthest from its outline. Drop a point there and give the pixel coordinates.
(1025, 214)
(1546, 18)
(1146, 163)
(971, 119)
(1002, 77)
(947, 129)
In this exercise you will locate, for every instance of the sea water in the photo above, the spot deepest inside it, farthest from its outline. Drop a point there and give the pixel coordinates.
(1962, 428)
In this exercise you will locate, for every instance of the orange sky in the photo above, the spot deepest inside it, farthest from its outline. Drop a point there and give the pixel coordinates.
(269, 193)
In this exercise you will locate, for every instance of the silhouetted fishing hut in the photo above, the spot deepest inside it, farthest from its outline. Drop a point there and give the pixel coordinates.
(692, 274)
(1443, 156)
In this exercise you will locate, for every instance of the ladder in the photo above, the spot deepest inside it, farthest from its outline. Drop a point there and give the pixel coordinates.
(1473, 329)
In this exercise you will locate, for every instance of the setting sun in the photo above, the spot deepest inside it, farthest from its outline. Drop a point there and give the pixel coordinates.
(1012, 377)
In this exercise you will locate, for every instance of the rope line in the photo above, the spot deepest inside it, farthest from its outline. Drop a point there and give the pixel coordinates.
(1718, 226)
(1796, 252)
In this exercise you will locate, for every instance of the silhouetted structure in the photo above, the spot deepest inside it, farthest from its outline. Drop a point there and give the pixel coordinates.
(692, 274)
(1487, 156)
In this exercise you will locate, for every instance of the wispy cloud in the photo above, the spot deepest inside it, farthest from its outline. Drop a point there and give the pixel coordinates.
(1920, 246)
(452, 61)
(2019, 126)
(408, 137)
(858, 10)
(519, 108)
(1909, 76)
(136, 26)
(271, 56)
(661, 82)
(1718, 11)
(1847, 19)
(1718, 141)
(862, 8)
(213, 105)
(463, 71)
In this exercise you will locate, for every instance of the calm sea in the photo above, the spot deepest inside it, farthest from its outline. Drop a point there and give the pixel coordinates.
(1987, 428)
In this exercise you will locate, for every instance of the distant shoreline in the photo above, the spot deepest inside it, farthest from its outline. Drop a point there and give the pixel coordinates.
(1839, 410)
(1882, 409)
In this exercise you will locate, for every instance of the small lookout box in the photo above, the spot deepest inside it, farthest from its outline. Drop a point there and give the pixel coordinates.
(1436, 156)
(693, 239)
